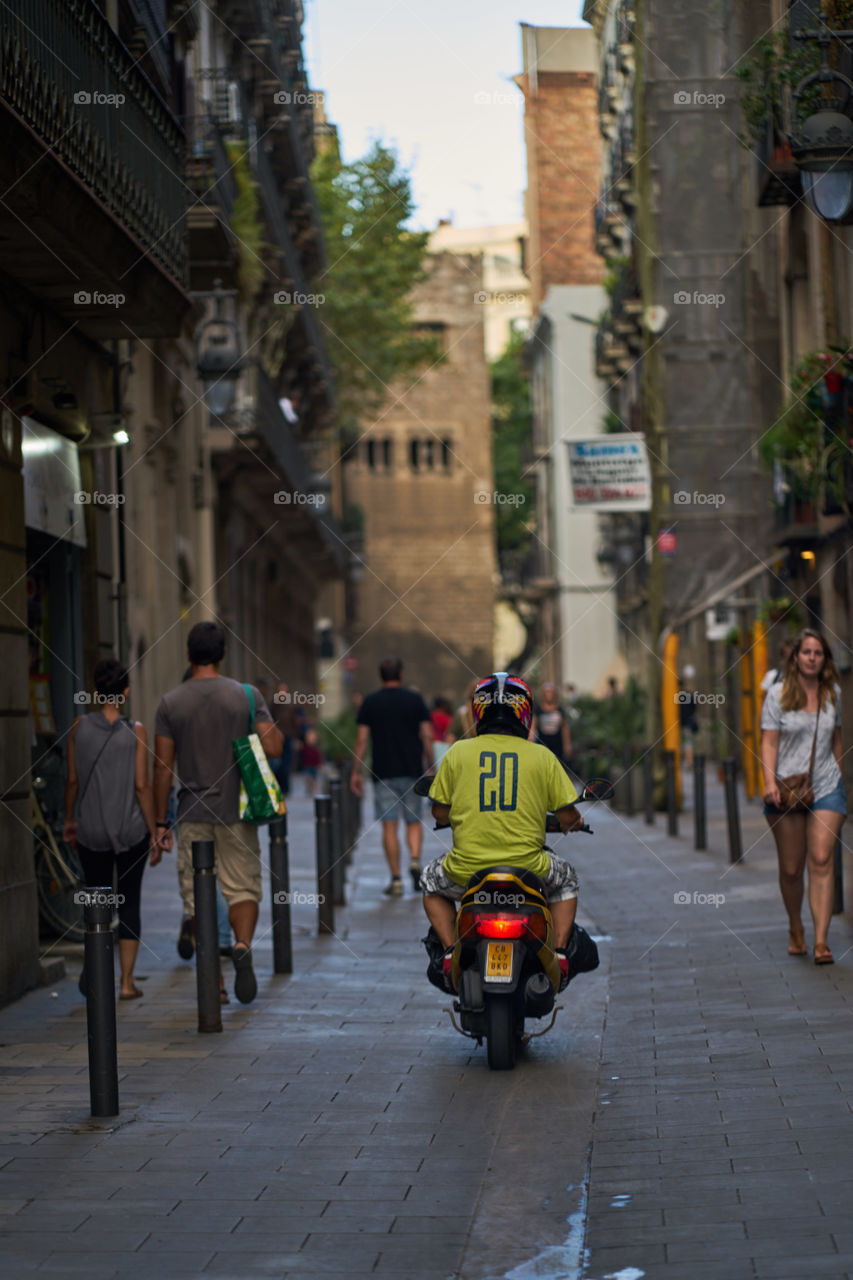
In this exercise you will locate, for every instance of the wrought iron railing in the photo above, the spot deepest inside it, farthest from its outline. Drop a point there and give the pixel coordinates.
(210, 175)
(66, 73)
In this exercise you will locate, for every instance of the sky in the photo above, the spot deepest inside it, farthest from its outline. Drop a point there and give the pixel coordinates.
(435, 82)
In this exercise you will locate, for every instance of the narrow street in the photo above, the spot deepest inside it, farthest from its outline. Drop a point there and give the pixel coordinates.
(667, 1125)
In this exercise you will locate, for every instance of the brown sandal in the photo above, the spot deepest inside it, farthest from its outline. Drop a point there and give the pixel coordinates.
(824, 956)
(797, 943)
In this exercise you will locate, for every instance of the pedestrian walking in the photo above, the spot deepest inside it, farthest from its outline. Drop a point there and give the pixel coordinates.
(313, 760)
(109, 808)
(287, 722)
(397, 722)
(775, 674)
(551, 725)
(195, 728)
(804, 801)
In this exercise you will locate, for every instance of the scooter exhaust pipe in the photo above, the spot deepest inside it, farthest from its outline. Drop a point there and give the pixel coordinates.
(538, 995)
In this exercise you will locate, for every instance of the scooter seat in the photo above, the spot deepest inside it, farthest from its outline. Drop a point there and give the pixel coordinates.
(527, 878)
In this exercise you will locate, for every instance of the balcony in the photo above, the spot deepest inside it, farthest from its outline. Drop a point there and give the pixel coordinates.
(92, 169)
(212, 193)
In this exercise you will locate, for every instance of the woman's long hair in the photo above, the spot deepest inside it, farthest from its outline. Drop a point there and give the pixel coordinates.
(792, 697)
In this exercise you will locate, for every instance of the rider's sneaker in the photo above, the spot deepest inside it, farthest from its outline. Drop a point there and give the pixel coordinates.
(447, 968)
(415, 873)
(565, 973)
(186, 938)
(394, 889)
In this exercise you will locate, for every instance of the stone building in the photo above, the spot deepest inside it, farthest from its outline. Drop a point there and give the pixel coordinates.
(421, 475)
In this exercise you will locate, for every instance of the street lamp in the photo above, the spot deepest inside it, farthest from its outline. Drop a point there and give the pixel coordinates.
(218, 359)
(823, 151)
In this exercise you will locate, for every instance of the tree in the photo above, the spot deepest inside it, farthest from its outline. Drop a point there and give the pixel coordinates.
(374, 262)
(511, 449)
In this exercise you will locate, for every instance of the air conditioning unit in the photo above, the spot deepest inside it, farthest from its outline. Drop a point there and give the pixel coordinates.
(719, 622)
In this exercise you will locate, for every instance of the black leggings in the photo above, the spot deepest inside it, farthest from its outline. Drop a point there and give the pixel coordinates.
(98, 871)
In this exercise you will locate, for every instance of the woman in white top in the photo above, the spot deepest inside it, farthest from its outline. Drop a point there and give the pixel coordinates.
(790, 724)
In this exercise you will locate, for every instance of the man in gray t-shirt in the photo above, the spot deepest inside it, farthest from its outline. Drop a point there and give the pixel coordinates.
(195, 728)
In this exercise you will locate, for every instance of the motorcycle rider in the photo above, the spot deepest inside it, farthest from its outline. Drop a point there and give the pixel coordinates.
(494, 790)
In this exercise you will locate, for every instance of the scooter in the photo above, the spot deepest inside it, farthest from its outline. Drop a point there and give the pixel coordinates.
(504, 966)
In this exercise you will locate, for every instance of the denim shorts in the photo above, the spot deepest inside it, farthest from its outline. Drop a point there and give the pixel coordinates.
(394, 798)
(834, 800)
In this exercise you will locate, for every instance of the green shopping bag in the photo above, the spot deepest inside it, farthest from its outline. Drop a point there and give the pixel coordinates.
(260, 795)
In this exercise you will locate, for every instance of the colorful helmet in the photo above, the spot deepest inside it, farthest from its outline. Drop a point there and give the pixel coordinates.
(502, 701)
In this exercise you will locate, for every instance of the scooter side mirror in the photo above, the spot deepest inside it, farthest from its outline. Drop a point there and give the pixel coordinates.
(422, 786)
(597, 789)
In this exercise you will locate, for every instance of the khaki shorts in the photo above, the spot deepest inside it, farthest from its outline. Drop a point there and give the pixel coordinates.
(238, 861)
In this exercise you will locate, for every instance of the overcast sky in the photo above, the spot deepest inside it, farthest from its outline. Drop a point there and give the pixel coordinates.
(434, 81)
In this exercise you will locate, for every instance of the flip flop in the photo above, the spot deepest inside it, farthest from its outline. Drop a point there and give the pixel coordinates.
(824, 957)
(134, 994)
(793, 949)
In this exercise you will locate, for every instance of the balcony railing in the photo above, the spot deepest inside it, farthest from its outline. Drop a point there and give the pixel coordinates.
(67, 75)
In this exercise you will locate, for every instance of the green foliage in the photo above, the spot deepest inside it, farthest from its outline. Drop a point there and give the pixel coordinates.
(511, 444)
(806, 438)
(782, 609)
(605, 726)
(246, 222)
(611, 423)
(373, 265)
(337, 736)
(615, 269)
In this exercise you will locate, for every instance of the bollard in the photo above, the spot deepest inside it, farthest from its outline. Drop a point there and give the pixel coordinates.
(206, 936)
(671, 794)
(649, 786)
(100, 1000)
(730, 780)
(336, 798)
(282, 948)
(838, 860)
(628, 768)
(700, 825)
(348, 810)
(325, 888)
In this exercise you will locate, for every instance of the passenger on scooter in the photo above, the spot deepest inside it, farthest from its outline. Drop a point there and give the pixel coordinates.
(494, 791)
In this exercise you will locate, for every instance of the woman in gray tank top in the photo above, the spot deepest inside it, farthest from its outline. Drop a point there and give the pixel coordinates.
(109, 789)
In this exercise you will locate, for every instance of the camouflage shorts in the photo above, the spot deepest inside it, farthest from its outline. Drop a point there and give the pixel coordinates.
(561, 882)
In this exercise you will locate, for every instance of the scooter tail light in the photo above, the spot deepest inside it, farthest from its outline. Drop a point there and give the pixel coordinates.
(465, 923)
(497, 926)
(537, 926)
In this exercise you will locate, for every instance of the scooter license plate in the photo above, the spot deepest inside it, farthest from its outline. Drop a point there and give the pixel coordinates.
(499, 962)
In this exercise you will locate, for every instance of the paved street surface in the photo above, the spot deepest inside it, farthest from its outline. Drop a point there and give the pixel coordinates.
(688, 1116)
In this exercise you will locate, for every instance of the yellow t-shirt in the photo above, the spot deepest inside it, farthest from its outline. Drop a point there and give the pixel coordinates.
(499, 789)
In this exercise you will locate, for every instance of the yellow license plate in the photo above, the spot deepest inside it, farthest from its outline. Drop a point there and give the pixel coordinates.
(499, 962)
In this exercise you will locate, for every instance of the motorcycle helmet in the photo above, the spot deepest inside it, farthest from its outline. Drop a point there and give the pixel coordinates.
(502, 701)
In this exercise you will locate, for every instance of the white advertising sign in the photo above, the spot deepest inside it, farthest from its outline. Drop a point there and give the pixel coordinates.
(610, 473)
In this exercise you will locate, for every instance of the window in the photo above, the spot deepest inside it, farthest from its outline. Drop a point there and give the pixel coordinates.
(379, 454)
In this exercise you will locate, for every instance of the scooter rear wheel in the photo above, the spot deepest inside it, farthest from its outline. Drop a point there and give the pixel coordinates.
(501, 1039)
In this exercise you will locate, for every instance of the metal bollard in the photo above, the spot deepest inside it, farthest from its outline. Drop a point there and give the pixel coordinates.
(838, 861)
(100, 1001)
(325, 887)
(671, 794)
(649, 786)
(628, 773)
(732, 817)
(700, 825)
(336, 798)
(282, 947)
(206, 936)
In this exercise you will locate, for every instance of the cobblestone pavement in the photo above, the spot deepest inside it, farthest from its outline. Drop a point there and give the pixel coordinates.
(688, 1115)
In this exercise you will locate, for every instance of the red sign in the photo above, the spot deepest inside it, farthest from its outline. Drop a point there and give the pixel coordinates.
(666, 542)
